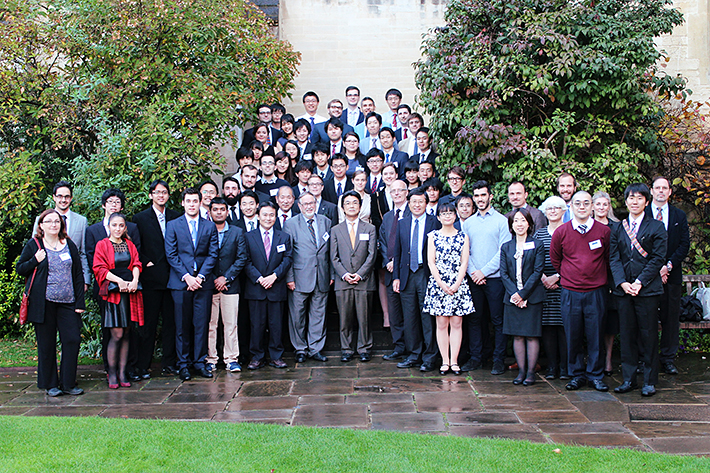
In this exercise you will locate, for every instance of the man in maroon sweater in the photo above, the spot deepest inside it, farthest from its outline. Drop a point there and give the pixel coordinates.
(580, 253)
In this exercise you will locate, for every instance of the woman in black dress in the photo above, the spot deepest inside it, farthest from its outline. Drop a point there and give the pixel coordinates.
(522, 260)
(117, 268)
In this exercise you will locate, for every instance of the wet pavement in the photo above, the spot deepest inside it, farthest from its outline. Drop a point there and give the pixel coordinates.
(379, 396)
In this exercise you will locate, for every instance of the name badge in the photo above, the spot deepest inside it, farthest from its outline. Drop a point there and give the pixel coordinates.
(273, 192)
(593, 245)
(281, 248)
(65, 256)
(364, 237)
(529, 245)
(359, 168)
(326, 237)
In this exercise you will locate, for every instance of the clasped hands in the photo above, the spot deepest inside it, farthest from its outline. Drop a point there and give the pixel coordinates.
(518, 301)
(267, 281)
(550, 282)
(352, 278)
(631, 289)
(128, 286)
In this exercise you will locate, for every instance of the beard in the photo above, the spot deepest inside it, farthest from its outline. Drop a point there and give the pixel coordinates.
(231, 201)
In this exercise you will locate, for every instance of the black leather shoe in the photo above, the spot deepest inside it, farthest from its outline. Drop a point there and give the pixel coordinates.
(185, 374)
(205, 373)
(600, 385)
(670, 368)
(498, 368)
(408, 363)
(133, 376)
(170, 371)
(625, 387)
(318, 356)
(426, 367)
(300, 357)
(365, 357)
(471, 365)
(529, 381)
(395, 355)
(575, 384)
(648, 390)
(345, 357)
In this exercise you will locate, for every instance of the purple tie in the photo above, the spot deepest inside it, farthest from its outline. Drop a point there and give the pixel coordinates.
(267, 245)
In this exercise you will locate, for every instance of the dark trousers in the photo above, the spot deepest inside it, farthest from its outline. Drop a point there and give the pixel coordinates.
(669, 315)
(583, 316)
(63, 318)
(263, 313)
(419, 333)
(396, 319)
(192, 319)
(157, 305)
(638, 319)
(490, 294)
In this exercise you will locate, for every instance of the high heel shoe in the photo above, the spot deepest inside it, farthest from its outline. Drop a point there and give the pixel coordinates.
(518, 380)
(443, 370)
(530, 379)
(111, 386)
(125, 384)
(455, 369)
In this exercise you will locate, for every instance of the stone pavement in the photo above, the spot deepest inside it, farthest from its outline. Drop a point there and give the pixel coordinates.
(379, 396)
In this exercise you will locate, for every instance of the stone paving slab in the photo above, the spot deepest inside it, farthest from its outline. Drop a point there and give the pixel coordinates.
(508, 431)
(262, 403)
(196, 411)
(265, 388)
(466, 418)
(669, 429)
(392, 407)
(603, 411)
(551, 417)
(332, 415)
(669, 412)
(402, 422)
(447, 402)
(680, 445)
(66, 411)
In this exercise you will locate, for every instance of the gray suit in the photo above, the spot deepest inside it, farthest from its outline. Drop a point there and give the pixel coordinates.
(312, 273)
(77, 233)
(354, 299)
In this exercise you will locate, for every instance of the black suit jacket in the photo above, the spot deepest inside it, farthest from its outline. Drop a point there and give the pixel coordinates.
(431, 157)
(330, 193)
(379, 207)
(249, 136)
(383, 234)
(627, 264)
(533, 264)
(232, 258)
(328, 175)
(97, 232)
(257, 266)
(152, 249)
(241, 223)
(380, 184)
(402, 248)
(322, 136)
(400, 158)
(678, 241)
(330, 210)
(278, 225)
(181, 254)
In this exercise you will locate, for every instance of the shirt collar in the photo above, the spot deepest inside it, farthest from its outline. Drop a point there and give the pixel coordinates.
(638, 220)
(589, 224)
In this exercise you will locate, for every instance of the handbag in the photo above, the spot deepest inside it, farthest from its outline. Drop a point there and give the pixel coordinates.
(113, 287)
(703, 295)
(24, 305)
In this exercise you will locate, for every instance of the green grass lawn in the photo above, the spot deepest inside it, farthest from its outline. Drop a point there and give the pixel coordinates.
(24, 353)
(55, 444)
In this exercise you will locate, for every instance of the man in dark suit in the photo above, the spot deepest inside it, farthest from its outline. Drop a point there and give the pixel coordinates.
(322, 132)
(353, 247)
(403, 113)
(157, 300)
(248, 203)
(303, 171)
(268, 262)
(386, 243)
(636, 254)
(352, 115)
(192, 249)
(309, 279)
(285, 201)
(424, 146)
(264, 113)
(340, 184)
(315, 187)
(375, 161)
(230, 192)
(112, 201)
(390, 153)
(518, 196)
(225, 296)
(676, 224)
(410, 276)
(321, 161)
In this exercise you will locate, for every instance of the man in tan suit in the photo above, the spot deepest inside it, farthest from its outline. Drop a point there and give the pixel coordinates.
(353, 247)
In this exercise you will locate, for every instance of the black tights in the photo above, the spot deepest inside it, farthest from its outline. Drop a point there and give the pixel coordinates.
(117, 355)
(555, 344)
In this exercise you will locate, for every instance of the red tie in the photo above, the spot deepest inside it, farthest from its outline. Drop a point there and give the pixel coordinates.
(394, 121)
(374, 185)
(333, 152)
(405, 134)
(284, 223)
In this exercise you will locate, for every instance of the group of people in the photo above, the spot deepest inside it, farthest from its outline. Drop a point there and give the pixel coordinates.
(331, 215)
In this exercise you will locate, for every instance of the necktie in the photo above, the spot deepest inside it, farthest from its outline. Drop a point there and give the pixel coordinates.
(284, 222)
(311, 229)
(405, 133)
(659, 215)
(233, 214)
(352, 234)
(416, 148)
(161, 221)
(582, 229)
(267, 245)
(394, 121)
(392, 235)
(340, 189)
(268, 139)
(374, 185)
(313, 126)
(251, 226)
(374, 143)
(633, 228)
(431, 211)
(414, 248)
(333, 151)
(387, 158)
(66, 225)
(193, 232)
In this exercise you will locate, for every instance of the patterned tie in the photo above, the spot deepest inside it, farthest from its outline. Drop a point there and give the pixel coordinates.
(633, 229)
(374, 185)
(311, 229)
(374, 143)
(392, 235)
(161, 221)
(251, 226)
(352, 234)
(659, 215)
(267, 245)
(340, 189)
(582, 229)
(333, 151)
(313, 126)
(414, 248)
(394, 121)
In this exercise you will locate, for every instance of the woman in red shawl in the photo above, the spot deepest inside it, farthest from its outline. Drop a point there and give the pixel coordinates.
(117, 268)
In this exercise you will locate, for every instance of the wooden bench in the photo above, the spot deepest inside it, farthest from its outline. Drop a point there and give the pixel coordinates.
(689, 279)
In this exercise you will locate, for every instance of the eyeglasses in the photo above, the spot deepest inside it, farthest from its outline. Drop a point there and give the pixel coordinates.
(62, 197)
(114, 201)
(308, 204)
(160, 192)
(339, 166)
(374, 160)
(582, 203)
(315, 184)
(52, 222)
(454, 179)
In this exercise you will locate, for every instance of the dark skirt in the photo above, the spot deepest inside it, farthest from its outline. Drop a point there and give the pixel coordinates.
(118, 315)
(525, 322)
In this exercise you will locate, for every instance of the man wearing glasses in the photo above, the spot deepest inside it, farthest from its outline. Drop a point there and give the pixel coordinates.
(455, 178)
(315, 187)
(265, 116)
(580, 253)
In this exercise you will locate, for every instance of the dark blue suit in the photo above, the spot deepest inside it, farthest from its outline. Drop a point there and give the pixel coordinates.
(320, 133)
(419, 333)
(192, 308)
(266, 305)
(400, 158)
